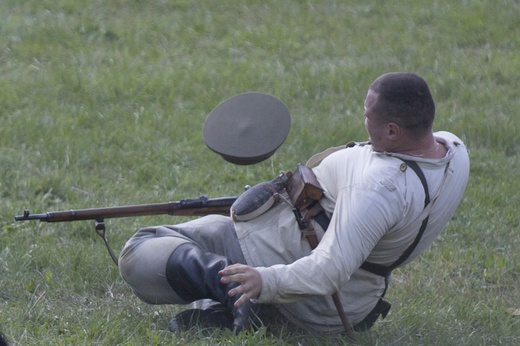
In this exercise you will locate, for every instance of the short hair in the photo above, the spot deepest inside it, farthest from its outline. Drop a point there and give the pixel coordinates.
(404, 98)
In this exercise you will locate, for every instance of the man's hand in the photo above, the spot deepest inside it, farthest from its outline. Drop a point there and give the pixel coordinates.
(248, 278)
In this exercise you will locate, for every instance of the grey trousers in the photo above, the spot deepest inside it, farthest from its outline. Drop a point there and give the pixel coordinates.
(142, 262)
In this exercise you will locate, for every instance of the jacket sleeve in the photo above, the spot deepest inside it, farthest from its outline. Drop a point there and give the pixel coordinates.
(360, 219)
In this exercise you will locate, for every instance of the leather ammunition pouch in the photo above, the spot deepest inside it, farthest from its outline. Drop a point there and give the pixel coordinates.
(303, 188)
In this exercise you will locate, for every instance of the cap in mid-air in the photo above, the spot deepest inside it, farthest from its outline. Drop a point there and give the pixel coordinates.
(247, 128)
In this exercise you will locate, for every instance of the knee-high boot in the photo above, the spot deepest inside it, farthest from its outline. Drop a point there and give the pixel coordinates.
(193, 274)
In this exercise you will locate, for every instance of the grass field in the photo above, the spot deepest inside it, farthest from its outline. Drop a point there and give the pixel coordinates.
(102, 103)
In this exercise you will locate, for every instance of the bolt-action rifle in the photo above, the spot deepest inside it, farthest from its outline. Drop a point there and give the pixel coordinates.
(187, 207)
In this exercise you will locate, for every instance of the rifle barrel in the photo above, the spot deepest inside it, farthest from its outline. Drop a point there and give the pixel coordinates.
(187, 207)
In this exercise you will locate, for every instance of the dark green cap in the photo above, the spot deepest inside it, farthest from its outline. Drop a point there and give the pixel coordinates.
(247, 128)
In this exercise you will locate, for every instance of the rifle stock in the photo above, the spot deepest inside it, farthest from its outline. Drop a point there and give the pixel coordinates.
(187, 207)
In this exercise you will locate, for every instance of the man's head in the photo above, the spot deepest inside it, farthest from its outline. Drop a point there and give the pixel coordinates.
(398, 104)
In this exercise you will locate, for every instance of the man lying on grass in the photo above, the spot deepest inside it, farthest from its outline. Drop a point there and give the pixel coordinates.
(384, 203)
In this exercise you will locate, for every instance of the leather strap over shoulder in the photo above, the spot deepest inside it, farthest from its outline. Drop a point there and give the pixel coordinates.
(385, 271)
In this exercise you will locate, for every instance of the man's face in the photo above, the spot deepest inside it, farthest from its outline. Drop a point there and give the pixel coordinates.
(375, 128)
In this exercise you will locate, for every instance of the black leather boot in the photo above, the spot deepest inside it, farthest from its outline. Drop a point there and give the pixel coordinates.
(193, 274)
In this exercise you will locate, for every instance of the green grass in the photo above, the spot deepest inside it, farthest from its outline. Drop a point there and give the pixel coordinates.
(102, 103)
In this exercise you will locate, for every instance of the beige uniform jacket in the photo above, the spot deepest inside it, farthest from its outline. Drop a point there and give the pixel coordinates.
(376, 211)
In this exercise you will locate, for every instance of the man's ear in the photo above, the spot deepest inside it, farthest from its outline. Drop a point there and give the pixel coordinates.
(393, 131)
